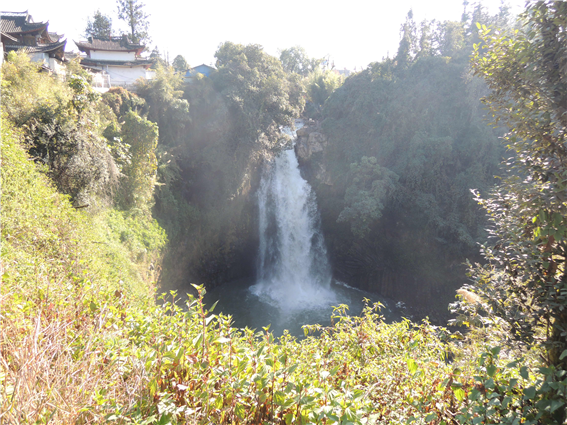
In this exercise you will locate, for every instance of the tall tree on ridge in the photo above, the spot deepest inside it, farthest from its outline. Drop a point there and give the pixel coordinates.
(180, 64)
(132, 12)
(99, 27)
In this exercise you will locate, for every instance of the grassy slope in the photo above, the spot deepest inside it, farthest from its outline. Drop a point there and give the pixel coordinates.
(65, 278)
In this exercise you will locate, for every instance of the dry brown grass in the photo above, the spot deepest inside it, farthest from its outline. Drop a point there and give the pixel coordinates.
(55, 361)
(57, 367)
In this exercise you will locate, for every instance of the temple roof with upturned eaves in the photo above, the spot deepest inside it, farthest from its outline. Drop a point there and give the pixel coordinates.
(19, 23)
(114, 44)
(40, 48)
(19, 32)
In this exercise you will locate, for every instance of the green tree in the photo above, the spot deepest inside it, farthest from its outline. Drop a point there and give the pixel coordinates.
(295, 60)
(140, 173)
(526, 279)
(365, 199)
(132, 12)
(408, 43)
(60, 123)
(258, 90)
(99, 27)
(166, 108)
(180, 64)
(158, 58)
(319, 85)
(451, 38)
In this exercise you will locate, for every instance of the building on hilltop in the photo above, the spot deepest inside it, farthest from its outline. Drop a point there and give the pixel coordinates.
(18, 32)
(191, 73)
(118, 57)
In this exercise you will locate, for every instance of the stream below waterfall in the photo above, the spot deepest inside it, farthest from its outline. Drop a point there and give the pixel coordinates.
(293, 285)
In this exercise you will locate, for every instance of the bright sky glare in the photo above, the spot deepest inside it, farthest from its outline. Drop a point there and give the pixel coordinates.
(352, 33)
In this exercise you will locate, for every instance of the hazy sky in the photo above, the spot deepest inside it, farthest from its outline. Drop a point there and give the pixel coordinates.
(352, 32)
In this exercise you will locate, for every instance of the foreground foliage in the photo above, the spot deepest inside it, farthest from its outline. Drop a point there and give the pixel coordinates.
(82, 341)
(524, 283)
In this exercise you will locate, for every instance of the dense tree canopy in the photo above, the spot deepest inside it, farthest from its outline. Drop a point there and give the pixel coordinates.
(180, 64)
(407, 141)
(258, 89)
(295, 60)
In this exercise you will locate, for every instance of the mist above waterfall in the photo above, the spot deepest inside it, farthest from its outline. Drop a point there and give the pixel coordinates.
(293, 271)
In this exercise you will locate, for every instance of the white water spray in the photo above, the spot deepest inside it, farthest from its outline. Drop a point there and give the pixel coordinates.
(293, 269)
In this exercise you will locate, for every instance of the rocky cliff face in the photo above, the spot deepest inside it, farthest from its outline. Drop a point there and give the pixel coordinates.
(310, 149)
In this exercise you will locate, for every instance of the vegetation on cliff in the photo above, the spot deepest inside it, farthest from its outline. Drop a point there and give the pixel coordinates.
(83, 341)
(407, 141)
(214, 135)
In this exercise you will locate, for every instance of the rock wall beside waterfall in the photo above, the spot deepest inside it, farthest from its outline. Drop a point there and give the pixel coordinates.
(310, 149)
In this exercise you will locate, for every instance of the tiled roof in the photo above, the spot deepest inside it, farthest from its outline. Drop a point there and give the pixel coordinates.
(40, 48)
(18, 22)
(114, 44)
(54, 37)
(4, 35)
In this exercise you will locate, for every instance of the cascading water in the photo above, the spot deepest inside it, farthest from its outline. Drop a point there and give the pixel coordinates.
(293, 269)
(293, 285)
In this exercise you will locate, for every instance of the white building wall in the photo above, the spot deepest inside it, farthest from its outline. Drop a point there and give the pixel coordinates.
(113, 56)
(125, 76)
(56, 66)
(40, 57)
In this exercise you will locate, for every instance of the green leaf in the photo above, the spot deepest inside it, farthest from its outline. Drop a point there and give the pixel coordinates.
(292, 368)
(555, 404)
(240, 411)
(412, 365)
(279, 398)
(563, 355)
(431, 417)
(524, 372)
(459, 394)
(529, 393)
(213, 306)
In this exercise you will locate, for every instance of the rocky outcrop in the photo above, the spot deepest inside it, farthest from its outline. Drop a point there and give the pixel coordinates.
(310, 149)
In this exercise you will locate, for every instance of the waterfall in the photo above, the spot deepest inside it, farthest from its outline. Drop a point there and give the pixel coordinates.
(293, 271)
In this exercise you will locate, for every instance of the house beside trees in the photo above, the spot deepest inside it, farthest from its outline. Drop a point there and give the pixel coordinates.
(203, 69)
(119, 57)
(19, 32)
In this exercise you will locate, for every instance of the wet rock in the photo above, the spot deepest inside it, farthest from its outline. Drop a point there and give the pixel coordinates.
(310, 143)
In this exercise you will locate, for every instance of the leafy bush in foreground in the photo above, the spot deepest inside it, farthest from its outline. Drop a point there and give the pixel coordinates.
(82, 341)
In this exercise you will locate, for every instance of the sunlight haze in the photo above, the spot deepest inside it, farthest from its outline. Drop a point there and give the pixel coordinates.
(352, 33)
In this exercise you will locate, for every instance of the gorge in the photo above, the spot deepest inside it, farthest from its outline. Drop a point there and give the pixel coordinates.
(294, 284)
